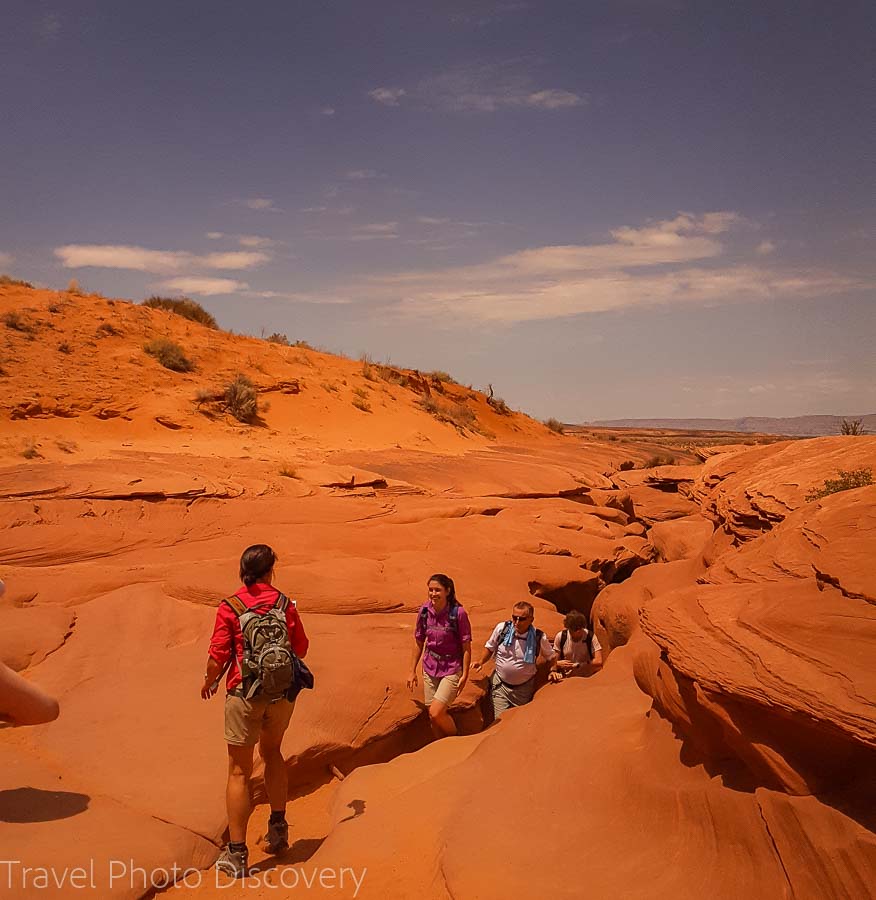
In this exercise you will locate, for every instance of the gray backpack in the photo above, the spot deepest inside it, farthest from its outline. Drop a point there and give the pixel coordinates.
(268, 667)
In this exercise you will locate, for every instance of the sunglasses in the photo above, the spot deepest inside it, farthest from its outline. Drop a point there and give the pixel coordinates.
(520, 618)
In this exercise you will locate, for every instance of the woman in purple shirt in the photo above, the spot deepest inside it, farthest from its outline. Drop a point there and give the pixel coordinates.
(444, 633)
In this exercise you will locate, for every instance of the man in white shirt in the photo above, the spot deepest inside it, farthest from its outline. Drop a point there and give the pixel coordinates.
(517, 645)
(578, 652)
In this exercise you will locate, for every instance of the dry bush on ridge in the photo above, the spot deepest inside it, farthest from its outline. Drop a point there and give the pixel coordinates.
(183, 306)
(169, 354)
(555, 425)
(107, 329)
(9, 281)
(454, 414)
(278, 338)
(852, 426)
(364, 405)
(241, 399)
(288, 472)
(15, 321)
(845, 481)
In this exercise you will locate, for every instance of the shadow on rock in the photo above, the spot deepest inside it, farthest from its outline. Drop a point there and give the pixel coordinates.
(29, 804)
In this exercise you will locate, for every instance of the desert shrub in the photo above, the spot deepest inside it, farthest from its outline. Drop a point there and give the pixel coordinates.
(241, 399)
(454, 413)
(626, 465)
(8, 281)
(555, 425)
(388, 373)
(845, 481)
(288, 472)
(17, 322)
(107, 329)
(368, 369)
(169, 354)
(364, 405)
(54, 308)
(852, 426)
(654, 461)
(499, 405)
(73, 287)
(278, 338)
(64, 347)
(361, 393)
(304, 345)
(67, 446)
(443, 377)
(30, 451)
(182, 306)
(330, 386)
(302, 360)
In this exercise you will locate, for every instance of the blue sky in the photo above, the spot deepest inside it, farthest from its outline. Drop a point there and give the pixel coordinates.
(605, 209)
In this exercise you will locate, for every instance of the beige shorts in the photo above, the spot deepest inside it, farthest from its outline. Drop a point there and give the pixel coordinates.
(442, 689)
(245, 719)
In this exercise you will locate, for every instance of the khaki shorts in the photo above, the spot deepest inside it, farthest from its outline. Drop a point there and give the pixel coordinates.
(245, 719)
(442, 689)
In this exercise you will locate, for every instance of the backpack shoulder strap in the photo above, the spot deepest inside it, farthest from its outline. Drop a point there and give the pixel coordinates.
(454, 617)
(236, 604)
(282, 602)
(564, 634)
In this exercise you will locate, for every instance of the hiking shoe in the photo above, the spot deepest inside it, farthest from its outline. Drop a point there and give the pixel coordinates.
(232, 862)
(277, 838)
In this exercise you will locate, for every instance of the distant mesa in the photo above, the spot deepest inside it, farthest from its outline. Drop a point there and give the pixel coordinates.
(792, 426)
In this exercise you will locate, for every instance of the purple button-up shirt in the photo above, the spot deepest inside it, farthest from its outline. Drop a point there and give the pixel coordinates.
(442, 654)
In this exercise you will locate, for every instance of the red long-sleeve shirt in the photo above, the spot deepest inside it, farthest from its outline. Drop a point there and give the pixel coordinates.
(227, 640)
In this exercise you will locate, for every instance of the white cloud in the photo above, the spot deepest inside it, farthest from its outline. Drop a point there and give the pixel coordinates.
(327, 111)
(255, 240)
(362, 174)
(236, 259)
(376, 231)
(668, 262)
(765, 248)
(215, 235)
(481, 88)
(120, 256)
(205, 287)
(301, 297)
(142, 259)
(49, 27)
(261, 204)
(387, 96)
(432, 220)
(6, 259)
(553, 99)
(313, 209)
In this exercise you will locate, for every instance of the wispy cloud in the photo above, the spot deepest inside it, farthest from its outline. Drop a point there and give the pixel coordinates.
(261, 204)
(142, 259)
(6, 260)
(362, 174)
(375, 231)
(255, 240)
(765, 248)
(327, 111)
(204, 287)
(480, 14)
(387, 96)
(48, 27)
(480, 88)
(673, 261)
(320, 299)
(215, 235)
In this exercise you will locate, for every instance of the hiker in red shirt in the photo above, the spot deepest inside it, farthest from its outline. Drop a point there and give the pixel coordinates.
(257, 709)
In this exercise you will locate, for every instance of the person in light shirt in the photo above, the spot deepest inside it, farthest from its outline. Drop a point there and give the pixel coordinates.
(21, 701)
(577, 649)
(517, 644)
